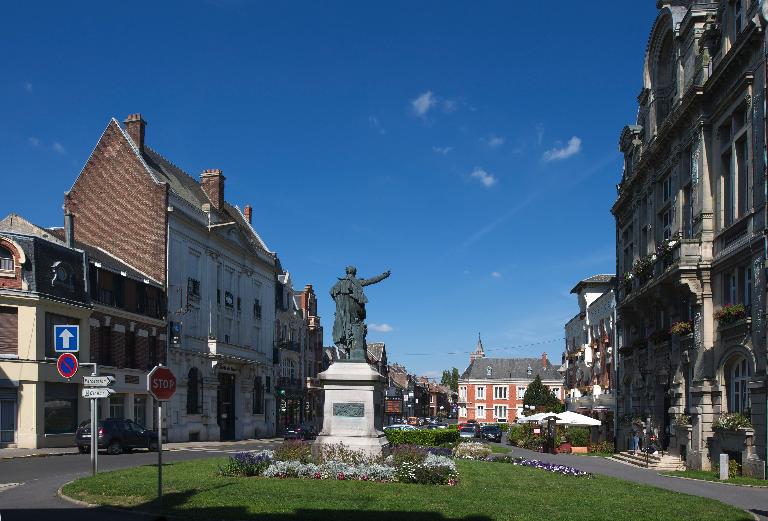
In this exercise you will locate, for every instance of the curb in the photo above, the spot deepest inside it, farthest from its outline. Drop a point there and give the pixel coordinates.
(39, 455)
(77, 502)
(715, 482)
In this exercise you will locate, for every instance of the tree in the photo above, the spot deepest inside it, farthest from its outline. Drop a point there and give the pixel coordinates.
(455, 380)
(541, 398)
(446, 378)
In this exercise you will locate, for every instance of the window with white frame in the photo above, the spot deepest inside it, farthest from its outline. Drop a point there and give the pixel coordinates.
(480, 392)
(521, 392)
(499, 392)
(463, 393)
(555, 391)
(500, 412)
(480, 412)
(462, 411)
(738, 380)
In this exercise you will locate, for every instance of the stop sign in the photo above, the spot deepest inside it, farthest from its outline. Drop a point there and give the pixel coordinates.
(161, 383)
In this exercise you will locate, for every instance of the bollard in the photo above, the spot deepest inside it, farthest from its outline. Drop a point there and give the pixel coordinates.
(724, 466)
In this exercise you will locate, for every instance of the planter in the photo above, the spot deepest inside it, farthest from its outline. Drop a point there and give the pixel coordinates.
(580, 450)
(564, 448)
(735, 441)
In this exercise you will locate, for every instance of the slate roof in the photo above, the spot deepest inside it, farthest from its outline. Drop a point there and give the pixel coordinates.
(189, 189)
(375, 352)
(510, 368)
(594, 279)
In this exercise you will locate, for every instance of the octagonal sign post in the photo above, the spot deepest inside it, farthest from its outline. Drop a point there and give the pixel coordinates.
(161, 383)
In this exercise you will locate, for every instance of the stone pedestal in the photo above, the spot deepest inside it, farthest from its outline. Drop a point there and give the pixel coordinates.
(352, 412)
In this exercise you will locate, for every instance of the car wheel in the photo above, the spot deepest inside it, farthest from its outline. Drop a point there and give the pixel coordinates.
(83, 449)
(115, 447)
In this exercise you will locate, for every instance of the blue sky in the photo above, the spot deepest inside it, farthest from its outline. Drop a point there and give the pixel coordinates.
(470, 148)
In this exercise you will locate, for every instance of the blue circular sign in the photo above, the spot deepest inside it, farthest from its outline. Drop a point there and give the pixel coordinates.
(67, 365)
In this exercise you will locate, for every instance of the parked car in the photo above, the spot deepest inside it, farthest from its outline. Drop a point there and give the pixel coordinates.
(400, 427)
(432, 426)
(299, 432)
(413, 420)
(491, 433)
(116, 435)
(468, 431)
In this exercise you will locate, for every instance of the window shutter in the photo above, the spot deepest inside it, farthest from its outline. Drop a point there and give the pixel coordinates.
(9, 331)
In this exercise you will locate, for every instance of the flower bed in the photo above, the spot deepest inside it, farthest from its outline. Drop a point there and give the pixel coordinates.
(730, 313)
(471, 450)
(407, 464)
(541, 465)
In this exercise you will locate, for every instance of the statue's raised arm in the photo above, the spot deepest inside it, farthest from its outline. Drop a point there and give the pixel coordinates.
(374, 280)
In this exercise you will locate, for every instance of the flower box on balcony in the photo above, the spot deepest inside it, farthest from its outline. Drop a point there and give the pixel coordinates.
(730, 313)
(736, 324)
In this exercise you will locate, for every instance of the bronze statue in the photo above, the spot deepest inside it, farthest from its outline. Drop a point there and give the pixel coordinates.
(349, 327)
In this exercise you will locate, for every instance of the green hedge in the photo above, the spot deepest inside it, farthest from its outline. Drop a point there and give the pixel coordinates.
(577, 436)
(431, 438)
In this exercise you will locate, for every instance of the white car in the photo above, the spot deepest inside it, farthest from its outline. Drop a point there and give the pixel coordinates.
(400, 427)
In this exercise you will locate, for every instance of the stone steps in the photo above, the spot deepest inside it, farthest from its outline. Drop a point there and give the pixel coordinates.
(663, 463)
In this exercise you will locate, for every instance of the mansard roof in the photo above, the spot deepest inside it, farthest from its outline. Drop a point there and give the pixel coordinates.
(510, 369)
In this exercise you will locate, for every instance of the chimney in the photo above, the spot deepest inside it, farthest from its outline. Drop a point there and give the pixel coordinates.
(212, 182)
(544, 360)
(248, 213)
(69, 229)
(135, 125)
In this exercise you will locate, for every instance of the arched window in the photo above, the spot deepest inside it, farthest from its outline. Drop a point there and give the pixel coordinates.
(664, 78)
(258, 396)
(194, 391)
(737, 380)
(6, 260)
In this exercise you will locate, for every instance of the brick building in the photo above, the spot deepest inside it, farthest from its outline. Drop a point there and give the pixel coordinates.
(492, 389)
(183, 237)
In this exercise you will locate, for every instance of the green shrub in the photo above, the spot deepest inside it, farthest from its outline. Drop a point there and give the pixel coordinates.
(430, 438)
(734, 469)
(577, 436)
(294, 451)
(604, 447)
(503, 426)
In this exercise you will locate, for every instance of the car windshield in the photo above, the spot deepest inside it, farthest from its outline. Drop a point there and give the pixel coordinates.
(468, 429)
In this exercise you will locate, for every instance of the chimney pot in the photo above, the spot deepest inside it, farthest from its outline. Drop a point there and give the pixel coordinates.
(212, 183)
(248, 213)
(69, 229)
(544, 360)
(135, 126)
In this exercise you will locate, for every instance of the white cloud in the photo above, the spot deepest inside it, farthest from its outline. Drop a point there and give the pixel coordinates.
(423, 103)
(381, 328)
(495, 274)
(58, 147)
(34, 141)
(572, 148)
(495, 141)
(450, 105)
(484, 177)
(28, 87)
(442, 150)
(375, 123)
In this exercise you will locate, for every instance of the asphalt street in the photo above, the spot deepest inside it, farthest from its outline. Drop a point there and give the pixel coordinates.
(28, 486)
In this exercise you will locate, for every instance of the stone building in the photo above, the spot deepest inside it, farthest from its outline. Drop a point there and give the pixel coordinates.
(290, 354)
(588, 360)
(492, 389)
(218, 274)
(690, 228)
(43, 283)
(307, 301)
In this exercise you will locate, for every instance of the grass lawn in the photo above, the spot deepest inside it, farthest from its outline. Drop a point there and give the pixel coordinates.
(486, 491)
(499, 449)
(708, 475)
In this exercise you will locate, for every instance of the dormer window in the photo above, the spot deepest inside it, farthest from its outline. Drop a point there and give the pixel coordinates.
(6, 260)
(488, 371)
(529, 370)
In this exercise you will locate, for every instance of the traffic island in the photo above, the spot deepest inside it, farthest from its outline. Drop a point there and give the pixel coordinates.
(198, 490)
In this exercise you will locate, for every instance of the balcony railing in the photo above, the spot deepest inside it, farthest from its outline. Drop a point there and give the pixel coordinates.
(686, 253)
(291, 345)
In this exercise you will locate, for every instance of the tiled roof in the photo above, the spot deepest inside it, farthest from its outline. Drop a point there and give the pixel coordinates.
(510, 368)
(594, 280)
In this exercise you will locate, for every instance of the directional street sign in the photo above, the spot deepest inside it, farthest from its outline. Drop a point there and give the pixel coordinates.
(98, 381)
(97, 392)
(66, 339)
(67, 365)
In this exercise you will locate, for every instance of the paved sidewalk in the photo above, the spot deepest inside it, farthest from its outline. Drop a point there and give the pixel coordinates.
(189, 445)
(754, 500)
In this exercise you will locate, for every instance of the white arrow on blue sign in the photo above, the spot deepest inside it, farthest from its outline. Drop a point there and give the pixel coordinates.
(66, 339)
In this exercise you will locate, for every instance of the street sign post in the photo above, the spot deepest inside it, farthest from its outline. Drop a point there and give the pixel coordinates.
(97, 392)
(67, 365)
(161, 383)
(66, 339)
